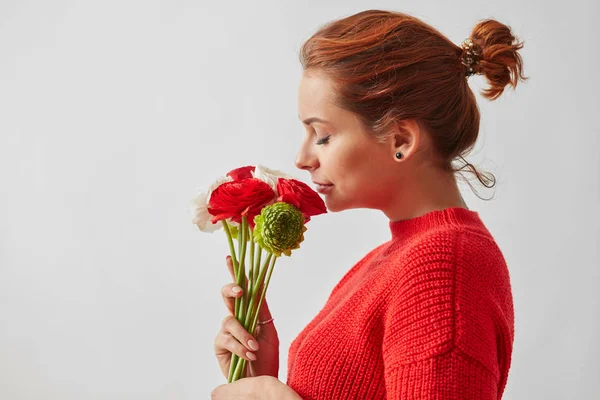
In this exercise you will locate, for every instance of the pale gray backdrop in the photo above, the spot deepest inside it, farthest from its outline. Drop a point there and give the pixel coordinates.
(113, 113)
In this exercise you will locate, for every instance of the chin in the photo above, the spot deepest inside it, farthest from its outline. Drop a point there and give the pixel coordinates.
(332, 209)
(334, 206)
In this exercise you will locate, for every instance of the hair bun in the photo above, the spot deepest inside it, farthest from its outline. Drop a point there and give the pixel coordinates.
(498, 59)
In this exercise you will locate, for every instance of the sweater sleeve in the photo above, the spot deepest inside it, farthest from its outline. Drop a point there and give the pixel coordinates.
(423, 344)
(452, 375)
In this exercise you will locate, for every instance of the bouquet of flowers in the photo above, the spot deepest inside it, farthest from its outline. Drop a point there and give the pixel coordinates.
(264, 210)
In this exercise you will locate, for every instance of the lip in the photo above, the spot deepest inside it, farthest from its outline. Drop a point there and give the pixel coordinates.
(322, 184)
(324, 188)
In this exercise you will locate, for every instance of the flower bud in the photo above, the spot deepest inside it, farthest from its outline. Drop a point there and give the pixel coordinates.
(279, 228)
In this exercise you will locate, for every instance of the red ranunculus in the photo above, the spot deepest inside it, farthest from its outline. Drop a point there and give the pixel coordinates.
(238, 198)
(301, 196)
(241, 173)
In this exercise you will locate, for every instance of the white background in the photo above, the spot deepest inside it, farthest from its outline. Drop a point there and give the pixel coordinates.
(113, 113)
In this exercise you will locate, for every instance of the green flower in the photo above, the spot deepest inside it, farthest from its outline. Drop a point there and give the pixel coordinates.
(279, 228)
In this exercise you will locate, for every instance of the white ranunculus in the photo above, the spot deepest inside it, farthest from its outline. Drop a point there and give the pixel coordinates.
(270, 176)
(199, 207)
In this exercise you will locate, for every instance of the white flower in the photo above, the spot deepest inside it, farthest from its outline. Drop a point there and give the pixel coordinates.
(199, 207)
(270, 176)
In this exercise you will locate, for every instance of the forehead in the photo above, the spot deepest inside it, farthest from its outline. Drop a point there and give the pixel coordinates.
(315, 96)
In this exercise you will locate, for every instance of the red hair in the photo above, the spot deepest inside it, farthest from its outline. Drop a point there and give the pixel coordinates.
(388, 66)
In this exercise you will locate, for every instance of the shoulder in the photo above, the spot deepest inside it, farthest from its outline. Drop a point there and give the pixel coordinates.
(442, 291)
(362, 263)
(456, 250)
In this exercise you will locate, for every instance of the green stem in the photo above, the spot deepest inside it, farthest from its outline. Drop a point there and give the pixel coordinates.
(262, 295)
(232, 367)
(240, 278)
(242, 363)
(238, 369)
(241, 273)
(237, 270)
(253, 311)
(257, 263)
(253, 299)
(241, 302)
(244, 285)
(230, 240)
(234, 260)
(251, 269)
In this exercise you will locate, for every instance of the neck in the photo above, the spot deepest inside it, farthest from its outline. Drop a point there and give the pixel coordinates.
(429, 191)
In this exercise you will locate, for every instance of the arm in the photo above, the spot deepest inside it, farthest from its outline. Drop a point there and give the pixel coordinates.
(434, 348)
(449, 376)
(280, 391)
(264, 387)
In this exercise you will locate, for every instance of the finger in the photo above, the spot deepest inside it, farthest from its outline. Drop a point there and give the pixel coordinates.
(230, 267)
(232, 326)
(225, 343)
(229, 262)
(263, 314)
(229, 294)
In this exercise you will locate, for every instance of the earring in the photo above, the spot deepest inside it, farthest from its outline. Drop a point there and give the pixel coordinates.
(398, 155)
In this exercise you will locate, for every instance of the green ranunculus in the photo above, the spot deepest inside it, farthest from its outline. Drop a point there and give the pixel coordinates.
(279, 228)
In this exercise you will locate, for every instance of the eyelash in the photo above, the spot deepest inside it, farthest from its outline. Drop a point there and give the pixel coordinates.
(325, 140)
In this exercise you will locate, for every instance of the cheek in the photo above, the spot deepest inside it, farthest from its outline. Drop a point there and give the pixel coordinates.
(346, 162)
(371, 171)
(354, 167)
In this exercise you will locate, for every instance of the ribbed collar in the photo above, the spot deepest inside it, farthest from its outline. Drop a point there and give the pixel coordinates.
(453, 216)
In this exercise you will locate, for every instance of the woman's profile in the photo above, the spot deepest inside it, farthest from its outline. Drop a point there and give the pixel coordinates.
(388, 111)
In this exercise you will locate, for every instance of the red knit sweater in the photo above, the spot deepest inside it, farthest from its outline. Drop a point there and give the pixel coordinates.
(426, 315)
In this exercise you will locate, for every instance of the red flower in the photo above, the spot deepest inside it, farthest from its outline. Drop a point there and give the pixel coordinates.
(301, 196)
(238, 198)
(241, 173)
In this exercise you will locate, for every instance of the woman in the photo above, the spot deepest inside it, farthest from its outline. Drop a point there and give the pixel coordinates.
(429, 314)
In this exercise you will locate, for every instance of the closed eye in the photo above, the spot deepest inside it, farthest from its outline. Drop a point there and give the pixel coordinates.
(325, 140)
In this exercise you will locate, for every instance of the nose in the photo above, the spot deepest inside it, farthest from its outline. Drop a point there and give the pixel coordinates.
(305, 159)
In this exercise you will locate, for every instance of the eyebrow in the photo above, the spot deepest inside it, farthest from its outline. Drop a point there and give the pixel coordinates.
(309, 121)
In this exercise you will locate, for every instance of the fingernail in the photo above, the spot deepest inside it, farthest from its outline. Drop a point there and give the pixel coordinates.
(236, 289)
(253, 345)
(251, 356)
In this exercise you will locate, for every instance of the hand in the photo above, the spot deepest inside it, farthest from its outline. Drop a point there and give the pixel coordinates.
(255, 388)
(234, 338)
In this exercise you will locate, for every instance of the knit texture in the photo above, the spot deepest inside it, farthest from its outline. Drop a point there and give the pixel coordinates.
(427, 315)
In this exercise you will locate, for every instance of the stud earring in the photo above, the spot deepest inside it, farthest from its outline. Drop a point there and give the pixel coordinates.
(398, 155)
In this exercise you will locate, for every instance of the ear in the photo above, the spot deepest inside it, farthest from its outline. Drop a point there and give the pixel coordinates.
(405, 138)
